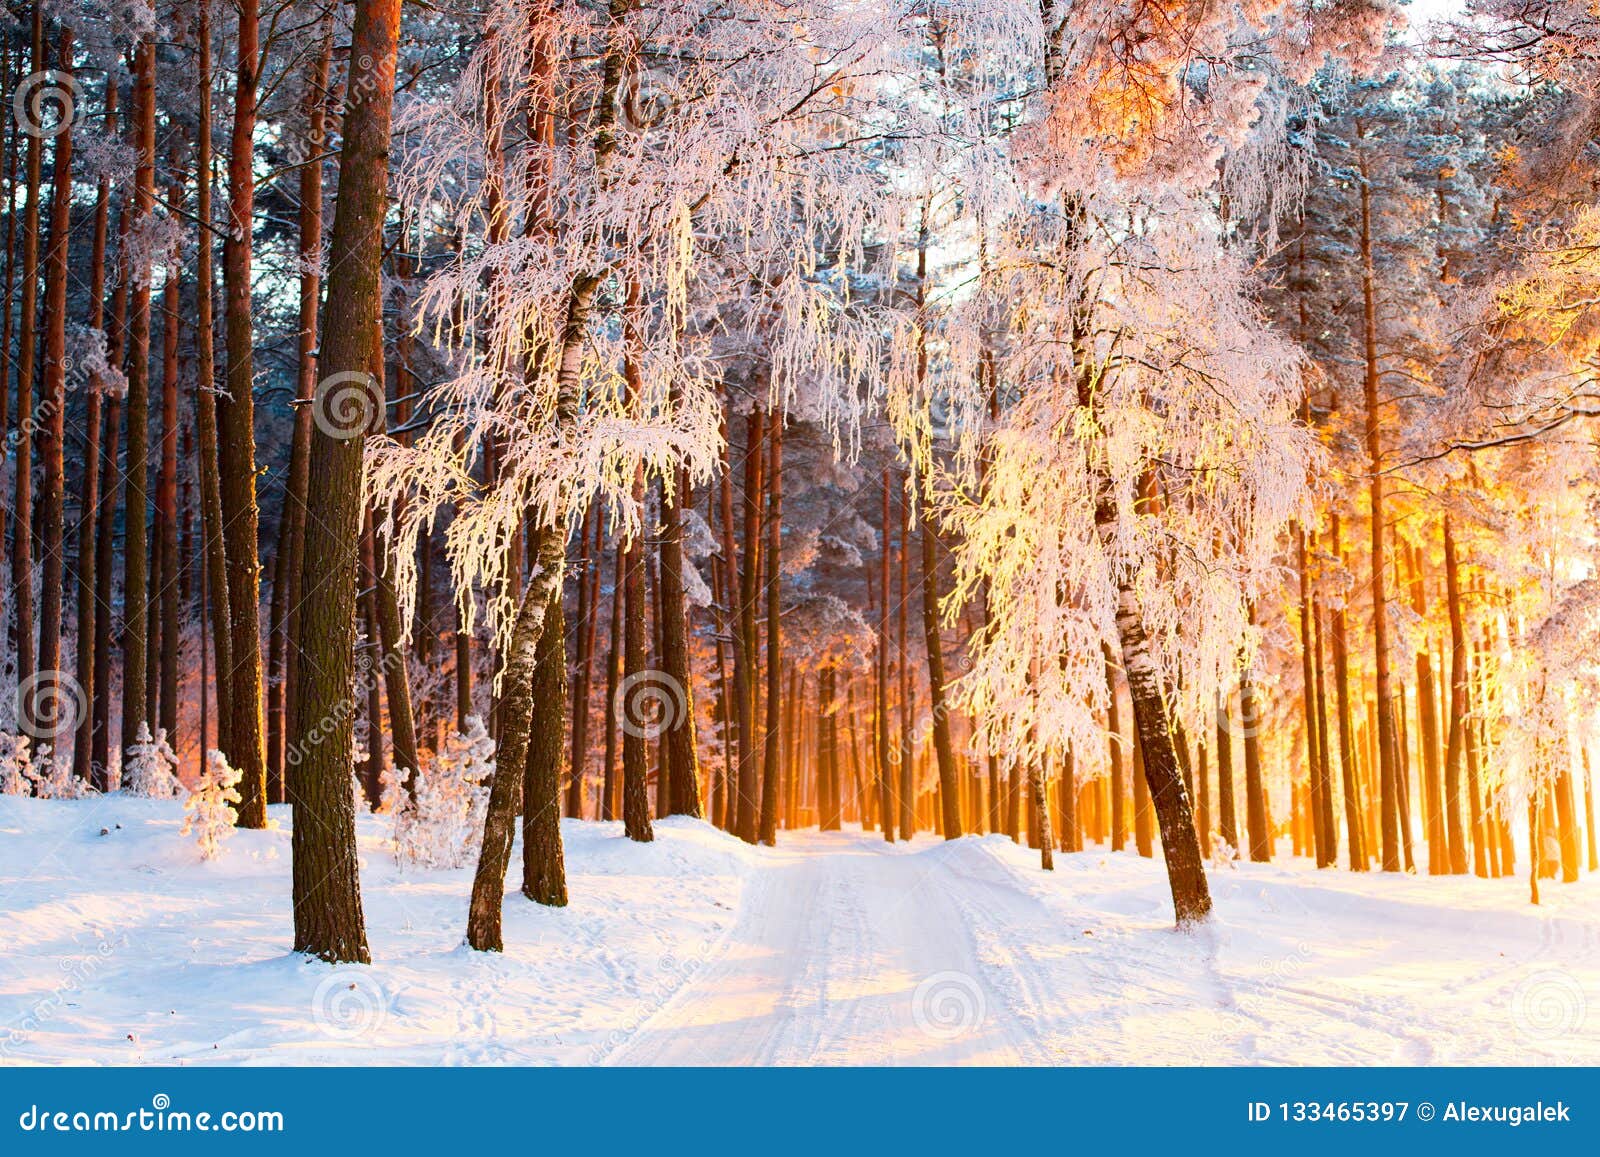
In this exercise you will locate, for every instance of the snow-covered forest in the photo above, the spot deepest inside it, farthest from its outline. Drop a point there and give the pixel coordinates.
(719, 452)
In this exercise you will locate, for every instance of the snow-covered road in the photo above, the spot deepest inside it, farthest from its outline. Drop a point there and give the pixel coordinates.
(118, 946)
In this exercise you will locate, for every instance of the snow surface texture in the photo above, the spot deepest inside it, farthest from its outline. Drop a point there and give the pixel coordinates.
(125, 948)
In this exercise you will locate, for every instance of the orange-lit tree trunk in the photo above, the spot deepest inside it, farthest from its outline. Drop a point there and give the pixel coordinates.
(772, 761)
(236, 452)
(1347, 739)
(1387, 763)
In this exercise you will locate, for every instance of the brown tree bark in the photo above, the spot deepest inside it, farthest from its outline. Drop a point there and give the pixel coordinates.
(680, 739)
(1456, 736)
(327, 894)
(27, 367)
(772, 761)
(89, 562)
(1347, 747)
(292, 523)
(205, 399)
(608, 782)
(1387, 762)
(944, 750)
(748, 782)
(886, 773)
(166, 533)
(1255, 793)
(52, 427)
(236, 448)
(583, 674)
(1118, 788)
(544, 873)
(135, 557)
(105, 534)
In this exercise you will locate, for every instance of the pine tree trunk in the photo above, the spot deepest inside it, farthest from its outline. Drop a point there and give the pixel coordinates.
(1428, 735)
(680, 739)
(1347, 753)
(748, 794)
(1316, 755)
(886, 779)
(772, 760)
(1387, 762)
(89, 561)
(9, 126)
(544, 873)
(608, 783)
(944, 750)
(1588, 810)
(1330, 826)
(327, 893)
(135, 558)
(52, 427)
(166, 537)
(1255, 794)
(908, 782)
(588, 588)
(236, 453)
(1456, 736)
(205, 407)
(1227, 820)
(105, 534)
(27, 354)
(1142, 836)
(292, 524)
(1119, 821)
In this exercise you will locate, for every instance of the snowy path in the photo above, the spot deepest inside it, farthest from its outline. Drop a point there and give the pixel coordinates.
(118, 946)
(846, 951)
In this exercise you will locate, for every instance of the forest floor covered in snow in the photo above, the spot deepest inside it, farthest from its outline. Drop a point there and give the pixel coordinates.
(119, 946)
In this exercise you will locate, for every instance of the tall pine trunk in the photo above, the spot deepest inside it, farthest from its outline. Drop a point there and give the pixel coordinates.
(772, 761)
(327, 892)
(236, 450)
(1387, 762)
(52, 429)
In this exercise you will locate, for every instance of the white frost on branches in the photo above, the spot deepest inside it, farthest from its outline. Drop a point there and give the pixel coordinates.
(209, 815)
(151, 766)
(441, 827)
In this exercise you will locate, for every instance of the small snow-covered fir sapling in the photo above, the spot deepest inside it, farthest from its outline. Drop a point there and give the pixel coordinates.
(52, 778)
(208, 812)
(151, 768)
(16, 762)
(441, 824)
